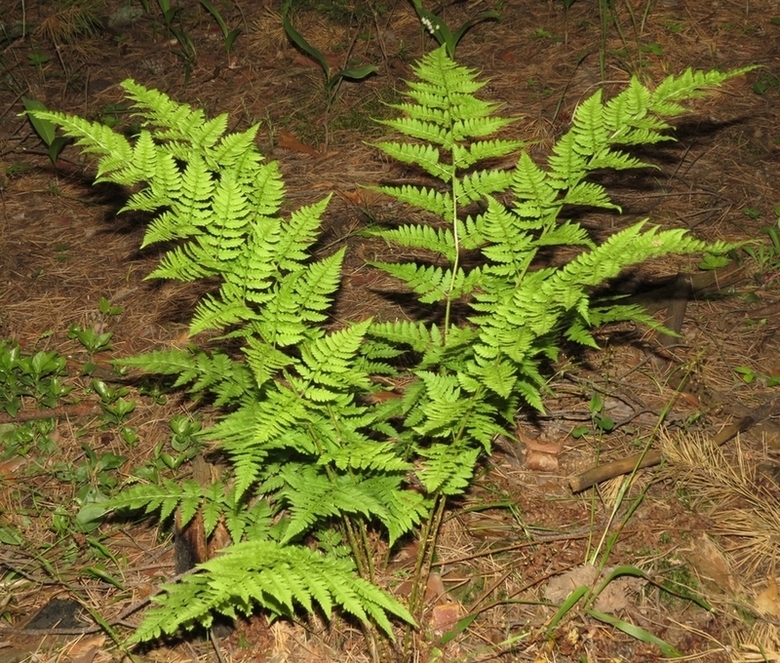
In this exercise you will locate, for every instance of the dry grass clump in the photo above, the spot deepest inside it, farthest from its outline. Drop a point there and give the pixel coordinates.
(744, 508)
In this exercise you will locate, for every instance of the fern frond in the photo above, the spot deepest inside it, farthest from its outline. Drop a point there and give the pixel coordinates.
(184, 363)
(475, 187)
(225, 377)
(466, 156)
(505, 243)
(312, 496)
(588, 129)
(474, 120)
(230, 213)
(264, 360)
(95, 138)
(162, 500)
(186, 263)
(272, 576)
(163, 190)
(688, 85)
(419, 336)
(536, 193)
(625, 248)
(567, 163)
(298, 235)
(447, 470)
(431, 283)
(590, 194)
(265, 188)
(329, 361)
(175, 121)
(237, 150)
(439, 76)
(429, 132)
(444, 407)
(213, 313)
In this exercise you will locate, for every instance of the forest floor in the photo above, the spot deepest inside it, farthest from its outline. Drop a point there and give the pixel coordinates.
(706, 530)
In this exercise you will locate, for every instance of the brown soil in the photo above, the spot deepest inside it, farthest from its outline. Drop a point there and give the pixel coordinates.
(63, 247)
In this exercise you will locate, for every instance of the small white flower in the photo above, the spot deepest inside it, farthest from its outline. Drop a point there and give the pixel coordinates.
(429, 25)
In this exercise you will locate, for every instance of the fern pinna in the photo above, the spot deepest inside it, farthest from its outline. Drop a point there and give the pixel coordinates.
(306, 453)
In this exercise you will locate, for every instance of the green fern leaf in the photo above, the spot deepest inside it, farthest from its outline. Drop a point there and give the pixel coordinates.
(475, 187)
(212, 313)
(175, 121)
(163, 190)
(688, 85)
(94, 138)
(264, 360)
(419, 336)
(430, 132)
(162, 500)
(429, 200)
(426, 157)
(237, 150)
(437, 240)
(191, 497)
(166, 362)
(589, 194)
(466, 156)
(447, 470)
(329, 360)
(431, 283)
(271, 576)
(535, 192)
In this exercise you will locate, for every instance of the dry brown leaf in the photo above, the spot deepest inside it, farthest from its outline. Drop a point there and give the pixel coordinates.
(767, 601)
(85, 649)
(8, 467)
(711, 565)
(542, 462)
(444, 617)
(532, 444)
(540, 456)
(290, 142)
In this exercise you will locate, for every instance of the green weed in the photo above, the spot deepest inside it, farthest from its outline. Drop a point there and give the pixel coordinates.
(228, 36)
(442, 32)
(333, 79)
(45, 129)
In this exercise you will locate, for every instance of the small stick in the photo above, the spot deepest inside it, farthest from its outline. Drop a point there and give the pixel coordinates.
(601, 473)
(64, 412)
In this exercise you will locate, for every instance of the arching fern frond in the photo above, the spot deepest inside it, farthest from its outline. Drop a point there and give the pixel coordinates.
(274, 577)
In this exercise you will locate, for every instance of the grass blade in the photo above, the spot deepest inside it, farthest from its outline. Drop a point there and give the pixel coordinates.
(636, 632)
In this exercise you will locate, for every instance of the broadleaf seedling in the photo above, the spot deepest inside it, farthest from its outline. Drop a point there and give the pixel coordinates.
(442, 32)
(228, 36)
(332, 79)
(45, 129)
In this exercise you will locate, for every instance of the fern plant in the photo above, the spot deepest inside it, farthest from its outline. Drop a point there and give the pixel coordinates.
(476, 369)
(308, 455)
(318, 468)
